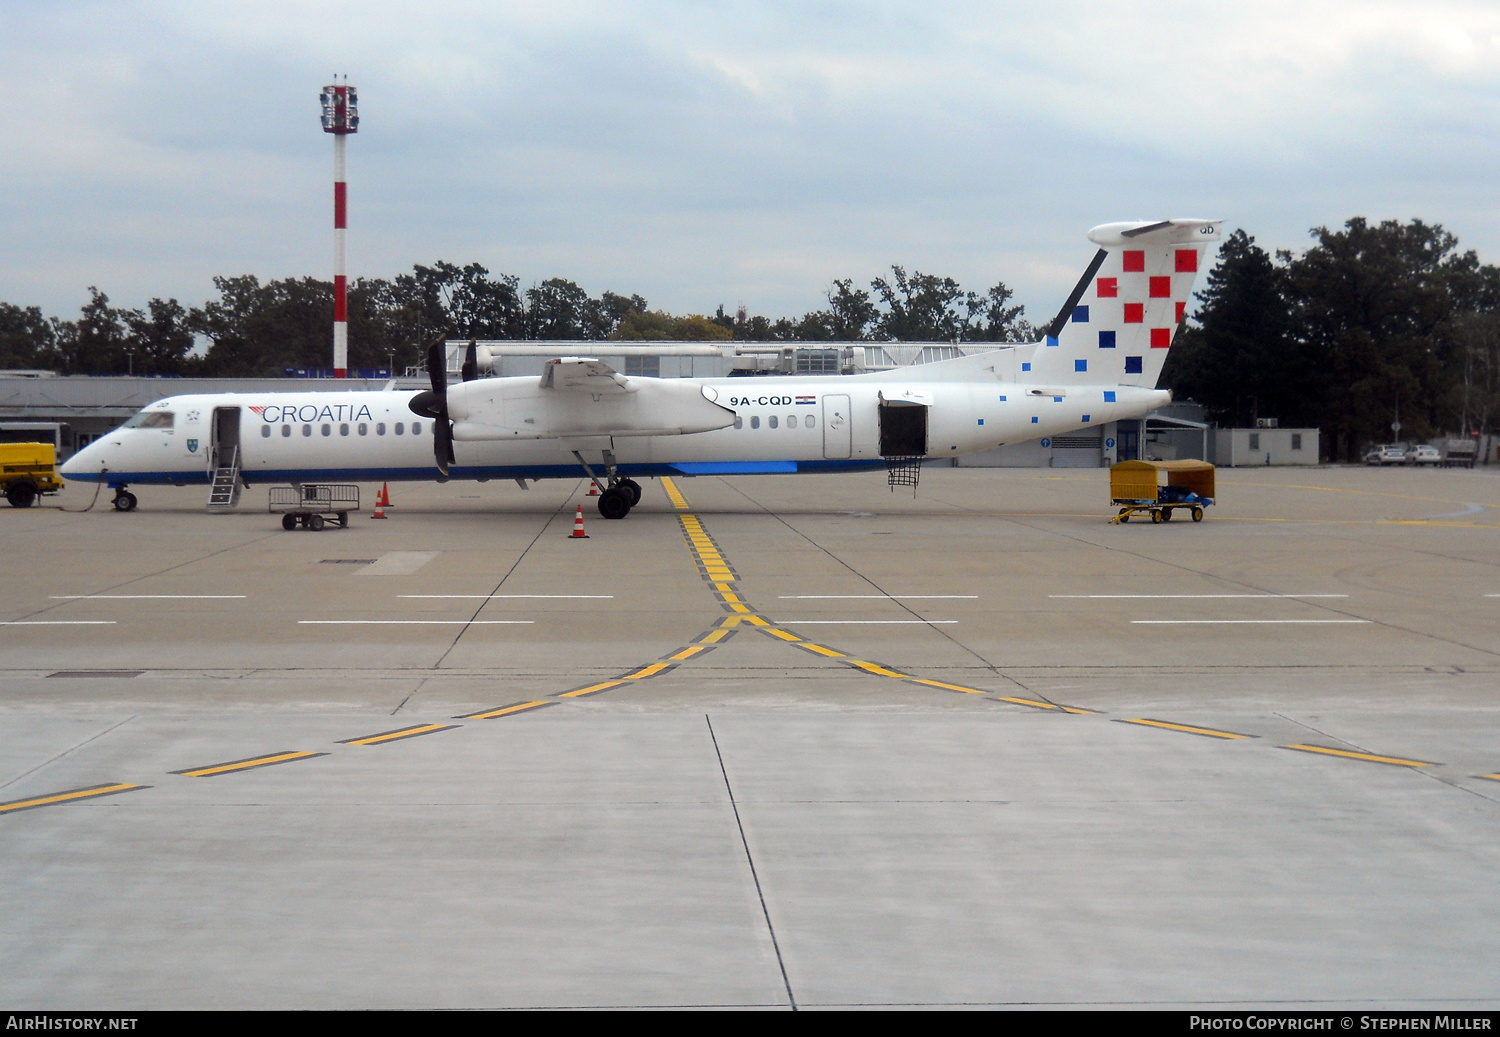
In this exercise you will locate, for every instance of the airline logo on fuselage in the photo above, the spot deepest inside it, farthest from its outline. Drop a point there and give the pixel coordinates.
(310, 412)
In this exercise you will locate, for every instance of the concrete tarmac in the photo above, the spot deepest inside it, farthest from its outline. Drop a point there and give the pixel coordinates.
(770, 741)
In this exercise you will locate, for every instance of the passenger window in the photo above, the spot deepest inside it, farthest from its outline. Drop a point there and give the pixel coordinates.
(755, 421)
(380, 428)
(343, 430)
(771, 421)
(327, 430)
(307, 430)
(808, 421)
(265, 432)
(791, 421)
(739, 422)
(416, 428)
(363, 428)
(286, 430)
(400, 428)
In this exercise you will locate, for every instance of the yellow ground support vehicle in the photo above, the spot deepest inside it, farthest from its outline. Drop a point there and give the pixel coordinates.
(28, 470)
(1161, 487)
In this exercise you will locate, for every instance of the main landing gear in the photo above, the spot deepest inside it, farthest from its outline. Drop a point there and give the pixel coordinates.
(622, 495)
(124, 499)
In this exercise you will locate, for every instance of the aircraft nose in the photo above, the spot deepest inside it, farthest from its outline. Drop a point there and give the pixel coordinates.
(84, 464)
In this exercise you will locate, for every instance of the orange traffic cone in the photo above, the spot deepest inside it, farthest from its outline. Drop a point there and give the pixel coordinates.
(593, 489)
(379, 509)
(385, 495)
(578, 533)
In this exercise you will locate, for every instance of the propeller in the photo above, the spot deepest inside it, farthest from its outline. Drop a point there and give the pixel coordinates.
(433, 403)
(470, 369)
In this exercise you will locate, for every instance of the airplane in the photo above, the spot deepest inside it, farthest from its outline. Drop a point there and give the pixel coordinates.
(1098, 361)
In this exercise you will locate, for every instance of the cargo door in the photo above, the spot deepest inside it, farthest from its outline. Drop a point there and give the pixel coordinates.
(903, 425)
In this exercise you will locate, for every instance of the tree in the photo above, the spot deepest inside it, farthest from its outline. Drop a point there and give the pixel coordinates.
(158, 338)
(27, 339)
(1241, 361)
(1373, 306)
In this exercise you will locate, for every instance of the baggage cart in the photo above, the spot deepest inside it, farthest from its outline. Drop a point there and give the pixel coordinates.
(308, 504)
(1159, 488)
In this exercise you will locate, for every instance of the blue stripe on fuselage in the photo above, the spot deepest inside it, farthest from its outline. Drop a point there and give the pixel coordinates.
(459, 472)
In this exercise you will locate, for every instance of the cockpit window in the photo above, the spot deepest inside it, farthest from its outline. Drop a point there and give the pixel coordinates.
(151, 419)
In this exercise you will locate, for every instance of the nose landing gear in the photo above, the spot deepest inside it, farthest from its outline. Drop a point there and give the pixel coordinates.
(124, 499)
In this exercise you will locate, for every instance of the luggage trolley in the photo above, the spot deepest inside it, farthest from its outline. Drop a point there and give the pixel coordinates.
(307, 503)
(1139, 486)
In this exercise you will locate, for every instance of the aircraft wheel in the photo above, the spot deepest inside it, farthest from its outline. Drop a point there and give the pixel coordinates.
(124, 501)
(289, 522)
(1197, 514)
(614, 503)
(315, 523)
(20, 494)
(632, 489)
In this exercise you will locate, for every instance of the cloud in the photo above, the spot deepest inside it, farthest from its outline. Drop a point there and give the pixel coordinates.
(700, 154)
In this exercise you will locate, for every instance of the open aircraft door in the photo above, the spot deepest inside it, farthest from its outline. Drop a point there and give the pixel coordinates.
(837, 431)
(224, 450)
(903, 424)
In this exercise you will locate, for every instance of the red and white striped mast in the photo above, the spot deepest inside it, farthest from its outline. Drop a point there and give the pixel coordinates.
(340, 118)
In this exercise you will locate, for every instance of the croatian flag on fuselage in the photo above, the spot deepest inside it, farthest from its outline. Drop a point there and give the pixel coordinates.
(808, 400)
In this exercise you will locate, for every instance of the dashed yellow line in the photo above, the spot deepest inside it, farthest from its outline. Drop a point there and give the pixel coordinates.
(690, 650)
(394, 736)
(950, 687)
(1207, 732)
(821, 650)
(674, 494)
(1033, 703)
(878, 670)
(647, 671)
(504, 711)
(1371, 757)
(717, 635)
(785, 635)
(591, 689)
(1491, 777)
(234, 766)
(70, 796)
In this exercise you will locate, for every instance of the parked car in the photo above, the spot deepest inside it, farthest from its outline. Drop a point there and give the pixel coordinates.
(1420, 455)
(1384, 455)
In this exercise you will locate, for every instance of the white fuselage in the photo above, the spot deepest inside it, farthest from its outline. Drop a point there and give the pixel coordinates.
(769, 425)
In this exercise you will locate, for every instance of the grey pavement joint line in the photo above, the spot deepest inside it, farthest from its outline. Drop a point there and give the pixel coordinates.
(496, 589)
(750, 859)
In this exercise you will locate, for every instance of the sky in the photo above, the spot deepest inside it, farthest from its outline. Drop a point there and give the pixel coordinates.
(701, 154)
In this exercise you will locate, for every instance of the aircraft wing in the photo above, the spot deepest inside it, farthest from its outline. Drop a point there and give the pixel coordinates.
(582, 374)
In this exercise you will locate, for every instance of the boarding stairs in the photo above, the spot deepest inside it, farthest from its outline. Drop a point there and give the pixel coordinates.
(225, 495)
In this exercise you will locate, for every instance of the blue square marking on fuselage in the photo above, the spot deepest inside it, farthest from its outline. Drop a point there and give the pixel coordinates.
(1034, 420)
(1051, 340)
(1026, 367)
(1133, 365)
(1080, 315)
(1106, 340)
(1080, 365)
(1109, 396)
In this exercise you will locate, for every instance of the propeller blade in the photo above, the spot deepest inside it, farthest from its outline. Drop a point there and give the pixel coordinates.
(471, 362)
(437, 404)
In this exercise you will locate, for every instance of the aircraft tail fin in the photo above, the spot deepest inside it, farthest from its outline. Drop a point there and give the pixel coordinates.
(1122, 316)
